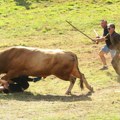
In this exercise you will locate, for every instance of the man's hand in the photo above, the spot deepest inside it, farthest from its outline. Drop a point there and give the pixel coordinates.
(96, 40)
(1, 88)
(4, 83)
(97, 36)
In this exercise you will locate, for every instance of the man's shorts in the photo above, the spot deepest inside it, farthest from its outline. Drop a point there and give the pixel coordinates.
(107, 50)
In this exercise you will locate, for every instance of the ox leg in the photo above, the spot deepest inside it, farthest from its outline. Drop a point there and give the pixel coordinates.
(72, 82)
(86, 83)
(9, 76)
(76, 73)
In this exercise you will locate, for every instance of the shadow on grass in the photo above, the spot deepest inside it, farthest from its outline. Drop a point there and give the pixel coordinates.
(28, 96)
(109, 74)
(24, 3)
(117, 78)
(27, 3)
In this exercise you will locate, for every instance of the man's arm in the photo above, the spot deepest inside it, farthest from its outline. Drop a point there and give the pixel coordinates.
(101, 39)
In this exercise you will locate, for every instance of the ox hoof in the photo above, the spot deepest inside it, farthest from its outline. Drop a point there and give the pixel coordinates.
(68, 93)
(91, 89)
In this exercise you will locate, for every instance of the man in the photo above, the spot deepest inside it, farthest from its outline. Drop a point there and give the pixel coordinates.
(106, 48)
(111, 38)
(19, 84)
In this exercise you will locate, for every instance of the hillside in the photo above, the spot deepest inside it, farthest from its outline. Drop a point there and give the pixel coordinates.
(23, 18)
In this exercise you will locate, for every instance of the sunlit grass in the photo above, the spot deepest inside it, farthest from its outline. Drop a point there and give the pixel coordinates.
(48, 17)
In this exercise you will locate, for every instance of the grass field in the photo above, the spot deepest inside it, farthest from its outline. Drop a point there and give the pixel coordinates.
(42, 23)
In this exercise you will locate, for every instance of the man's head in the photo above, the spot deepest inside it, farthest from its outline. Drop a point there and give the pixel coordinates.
(111, 28)
(103, 23)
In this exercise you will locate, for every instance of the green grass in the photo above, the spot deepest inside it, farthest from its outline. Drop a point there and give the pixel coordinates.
(41, 23)
(48, 17)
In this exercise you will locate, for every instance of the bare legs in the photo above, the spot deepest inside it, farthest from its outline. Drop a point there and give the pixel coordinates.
(103, 59)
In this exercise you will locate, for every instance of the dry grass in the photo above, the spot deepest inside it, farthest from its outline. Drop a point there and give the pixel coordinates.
(45, 100)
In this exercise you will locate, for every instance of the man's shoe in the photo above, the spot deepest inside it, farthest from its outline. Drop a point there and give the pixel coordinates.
(37, 79)
(104, 68)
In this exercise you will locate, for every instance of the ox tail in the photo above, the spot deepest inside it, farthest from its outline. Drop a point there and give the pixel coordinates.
(76, 72)
(81, 79)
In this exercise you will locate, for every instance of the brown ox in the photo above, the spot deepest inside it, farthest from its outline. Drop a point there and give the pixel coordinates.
(116, 63)
(18, 61)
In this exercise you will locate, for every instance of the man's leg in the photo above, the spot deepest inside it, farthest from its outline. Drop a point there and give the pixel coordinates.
(26, 78)
(15, 88)
(103, 59)
(102, 53)
(24, 84)
(20, 84)
(22, 81)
